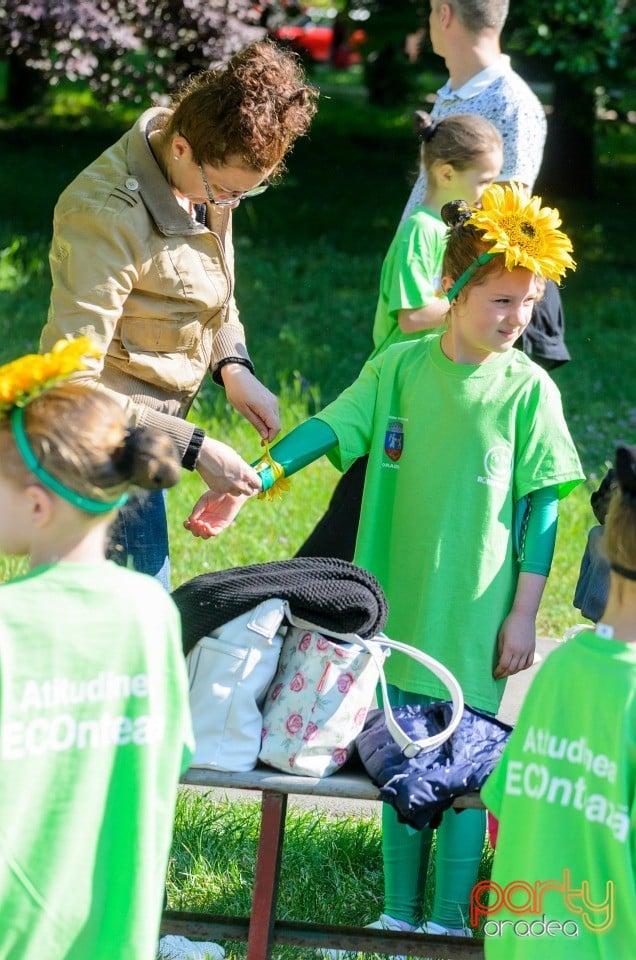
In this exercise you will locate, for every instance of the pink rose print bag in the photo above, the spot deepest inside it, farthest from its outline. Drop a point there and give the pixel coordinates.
(321, 693)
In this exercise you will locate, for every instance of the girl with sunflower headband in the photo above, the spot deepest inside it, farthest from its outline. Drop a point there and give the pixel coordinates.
(94, 719)
(469, 454)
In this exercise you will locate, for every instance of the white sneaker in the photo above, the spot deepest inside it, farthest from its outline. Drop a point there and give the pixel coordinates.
(438, 930)
(180, 948)
(384, 923)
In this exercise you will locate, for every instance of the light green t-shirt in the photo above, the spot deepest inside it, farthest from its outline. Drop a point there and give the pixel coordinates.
(565, 795)
(452, 447)
(95, 731)
(411, 275)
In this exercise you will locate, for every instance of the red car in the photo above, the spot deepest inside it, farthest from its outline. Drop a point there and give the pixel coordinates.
(321, 41)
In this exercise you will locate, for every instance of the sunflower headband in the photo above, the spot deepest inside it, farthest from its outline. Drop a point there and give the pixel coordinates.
(522, 231)
(26, 378)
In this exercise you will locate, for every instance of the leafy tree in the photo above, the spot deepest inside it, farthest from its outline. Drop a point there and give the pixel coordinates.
(125, 49)
(583, 47)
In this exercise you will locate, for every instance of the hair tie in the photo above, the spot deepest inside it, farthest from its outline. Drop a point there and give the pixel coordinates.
(623, 571)
(428, 132)
(455, 213)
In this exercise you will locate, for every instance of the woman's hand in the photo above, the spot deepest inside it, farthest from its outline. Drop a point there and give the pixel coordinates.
(252, 399)
(231, 482)
(224, 471)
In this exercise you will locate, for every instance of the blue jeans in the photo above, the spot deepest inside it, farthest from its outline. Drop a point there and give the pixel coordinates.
(139, 536)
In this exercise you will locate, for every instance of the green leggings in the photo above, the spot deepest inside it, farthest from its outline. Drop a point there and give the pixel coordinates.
(405, 854)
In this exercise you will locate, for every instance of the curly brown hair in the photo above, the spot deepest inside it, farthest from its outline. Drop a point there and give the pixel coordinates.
(252, 108)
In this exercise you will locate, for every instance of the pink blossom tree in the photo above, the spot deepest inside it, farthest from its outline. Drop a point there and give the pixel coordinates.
(125, 49)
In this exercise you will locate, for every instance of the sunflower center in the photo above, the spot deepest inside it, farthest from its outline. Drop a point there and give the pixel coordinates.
(523, 233)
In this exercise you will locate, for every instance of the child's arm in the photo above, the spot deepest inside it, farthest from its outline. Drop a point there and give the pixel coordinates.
(302, 446)
(423, 318)
(517, 636)
(212, 513)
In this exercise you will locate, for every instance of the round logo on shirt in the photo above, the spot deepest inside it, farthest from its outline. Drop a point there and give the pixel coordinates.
(498, 462)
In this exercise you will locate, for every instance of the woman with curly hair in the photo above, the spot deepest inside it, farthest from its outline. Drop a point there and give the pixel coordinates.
(142, 261)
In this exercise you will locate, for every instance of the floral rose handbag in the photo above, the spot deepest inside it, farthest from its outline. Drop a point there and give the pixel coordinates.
(321, 693)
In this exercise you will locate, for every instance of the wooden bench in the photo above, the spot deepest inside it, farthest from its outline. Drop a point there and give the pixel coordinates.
(261, 929)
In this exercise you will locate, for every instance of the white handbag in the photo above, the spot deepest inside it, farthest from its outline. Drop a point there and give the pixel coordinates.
(321, 693)
(230, 671)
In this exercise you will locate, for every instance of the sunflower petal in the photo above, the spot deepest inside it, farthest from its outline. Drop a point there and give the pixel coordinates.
(24, 378)
(523, 231)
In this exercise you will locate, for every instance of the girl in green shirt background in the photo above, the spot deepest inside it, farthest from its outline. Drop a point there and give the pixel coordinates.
(467, 443)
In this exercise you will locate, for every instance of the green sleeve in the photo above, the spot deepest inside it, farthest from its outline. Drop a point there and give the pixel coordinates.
(536, 527)
(303, 445)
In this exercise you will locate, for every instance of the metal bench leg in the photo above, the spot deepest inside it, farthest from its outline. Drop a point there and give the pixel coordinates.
(266, 877)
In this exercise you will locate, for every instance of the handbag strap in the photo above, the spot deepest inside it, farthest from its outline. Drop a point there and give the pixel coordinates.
(375, 647)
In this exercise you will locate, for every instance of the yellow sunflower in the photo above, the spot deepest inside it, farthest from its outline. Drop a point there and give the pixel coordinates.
(281, 483)
(523, 231)
(24, 378)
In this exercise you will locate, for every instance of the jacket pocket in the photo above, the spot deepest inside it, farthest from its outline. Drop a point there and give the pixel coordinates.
(160, 334)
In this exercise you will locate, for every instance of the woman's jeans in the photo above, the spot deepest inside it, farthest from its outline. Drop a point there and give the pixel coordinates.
(139, 536)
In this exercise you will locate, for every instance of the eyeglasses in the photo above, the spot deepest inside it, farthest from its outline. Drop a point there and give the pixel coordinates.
(254, 192)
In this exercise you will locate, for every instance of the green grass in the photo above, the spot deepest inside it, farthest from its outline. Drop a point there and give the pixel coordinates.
(331, 868)
(308, 259)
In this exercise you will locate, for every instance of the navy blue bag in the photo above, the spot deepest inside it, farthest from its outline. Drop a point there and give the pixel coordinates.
(422, 787)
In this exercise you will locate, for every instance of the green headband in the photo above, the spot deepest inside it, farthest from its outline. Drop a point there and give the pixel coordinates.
(53, 484)
(467, 274)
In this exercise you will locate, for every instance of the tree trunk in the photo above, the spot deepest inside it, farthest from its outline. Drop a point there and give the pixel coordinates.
(568, 168)
(25, 86)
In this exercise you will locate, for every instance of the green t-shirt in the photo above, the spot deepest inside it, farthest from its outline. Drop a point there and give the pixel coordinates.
(565, 795)
(94, 733)
(411, 275)
(451, 447)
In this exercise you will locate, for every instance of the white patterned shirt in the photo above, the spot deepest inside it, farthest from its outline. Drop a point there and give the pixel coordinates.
(501, 96)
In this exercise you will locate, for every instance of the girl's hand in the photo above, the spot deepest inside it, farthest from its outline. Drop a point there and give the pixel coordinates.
(212, 513)
(516, 644)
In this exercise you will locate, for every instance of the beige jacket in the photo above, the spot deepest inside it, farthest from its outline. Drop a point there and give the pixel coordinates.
(152, 287)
